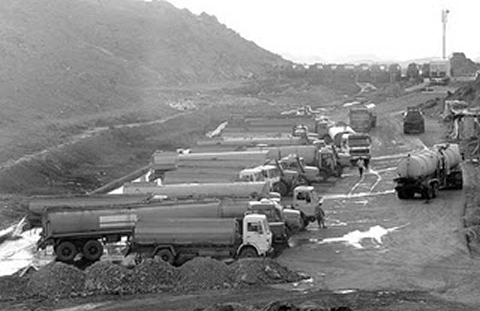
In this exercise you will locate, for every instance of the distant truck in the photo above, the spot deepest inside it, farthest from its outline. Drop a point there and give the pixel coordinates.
(325, 158)
(350, 143)
(269, 173)
(413, 121)
(176, 240)
(85, 229)
(428, 171)
(362, 118)
(440, 72)
(308, 174)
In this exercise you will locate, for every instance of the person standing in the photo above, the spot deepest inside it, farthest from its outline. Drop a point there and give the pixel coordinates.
(320, 215)
(361, 166)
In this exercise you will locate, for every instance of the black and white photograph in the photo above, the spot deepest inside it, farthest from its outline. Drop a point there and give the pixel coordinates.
(239, 155)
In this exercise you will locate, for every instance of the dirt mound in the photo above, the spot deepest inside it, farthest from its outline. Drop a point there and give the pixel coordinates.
(254, 272)
(469, 93)
(56, 280)
(108, 278)
(153, 276)
(12, 288)
(205, 273)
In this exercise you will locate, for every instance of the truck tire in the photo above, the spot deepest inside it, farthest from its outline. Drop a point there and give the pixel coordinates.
(248, 252)
(305, 221)
(92, 250)
(427, 193)
(165, 255)
(339, 170)
(323, 176)
(402, 194)
(66, 251)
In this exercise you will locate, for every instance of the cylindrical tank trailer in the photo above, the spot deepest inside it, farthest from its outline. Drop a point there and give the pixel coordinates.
(428, 171)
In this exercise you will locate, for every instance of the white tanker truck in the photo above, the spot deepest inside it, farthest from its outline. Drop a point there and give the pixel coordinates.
(428, 171)
(350, 143)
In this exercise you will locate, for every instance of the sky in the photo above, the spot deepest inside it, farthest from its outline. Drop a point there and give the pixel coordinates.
(342, 30)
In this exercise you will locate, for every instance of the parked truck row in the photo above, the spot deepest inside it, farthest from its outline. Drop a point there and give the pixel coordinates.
(86, 229)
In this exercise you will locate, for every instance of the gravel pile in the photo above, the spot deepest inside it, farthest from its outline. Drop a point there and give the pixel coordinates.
(108, 278)
(254, 271)
(153, 276)
(56, 280)
(12, 287)
(204, 273)
(59, 280)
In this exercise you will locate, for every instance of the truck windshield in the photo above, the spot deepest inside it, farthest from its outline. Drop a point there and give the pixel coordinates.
(358, 141)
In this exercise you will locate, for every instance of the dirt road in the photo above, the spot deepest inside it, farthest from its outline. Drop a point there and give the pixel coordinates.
(375, 241)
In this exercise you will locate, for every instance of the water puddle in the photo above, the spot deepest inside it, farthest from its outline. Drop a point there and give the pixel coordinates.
(356, 237)
(356, 195)
(20, 252)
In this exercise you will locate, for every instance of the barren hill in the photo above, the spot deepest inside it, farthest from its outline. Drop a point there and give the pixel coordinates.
(84, 59)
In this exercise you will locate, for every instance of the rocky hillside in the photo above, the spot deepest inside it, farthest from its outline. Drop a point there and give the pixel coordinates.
(84, 59)
(463, 66)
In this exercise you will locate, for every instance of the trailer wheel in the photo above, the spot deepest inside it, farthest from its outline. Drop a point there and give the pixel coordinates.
(66, 251)
(92, 250)
(248, 252)
(165, 255)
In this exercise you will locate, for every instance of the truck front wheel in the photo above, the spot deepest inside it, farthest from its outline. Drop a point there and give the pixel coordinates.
(66, 251)
(248, 252)
(165, 255)
(92, 250)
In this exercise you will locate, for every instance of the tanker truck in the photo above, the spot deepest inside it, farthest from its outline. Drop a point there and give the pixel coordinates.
(36, 205)
(85, 229)
(350, 143)
(362, 118)
(428, 171)
(253, 190)
(176, 240)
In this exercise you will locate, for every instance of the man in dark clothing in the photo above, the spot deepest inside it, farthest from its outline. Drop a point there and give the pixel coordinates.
(361, 166)
(320, 215)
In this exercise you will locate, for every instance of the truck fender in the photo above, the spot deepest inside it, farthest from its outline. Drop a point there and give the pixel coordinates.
(247, 246)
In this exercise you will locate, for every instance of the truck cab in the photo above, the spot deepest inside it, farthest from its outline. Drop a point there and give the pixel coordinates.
(357, 146)
(269, 173)
(279, 222)
(306, 200)
(257, 234)
(362, 118)
(413, 121)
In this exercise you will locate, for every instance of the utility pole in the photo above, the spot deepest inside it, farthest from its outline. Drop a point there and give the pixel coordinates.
(444, 23)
